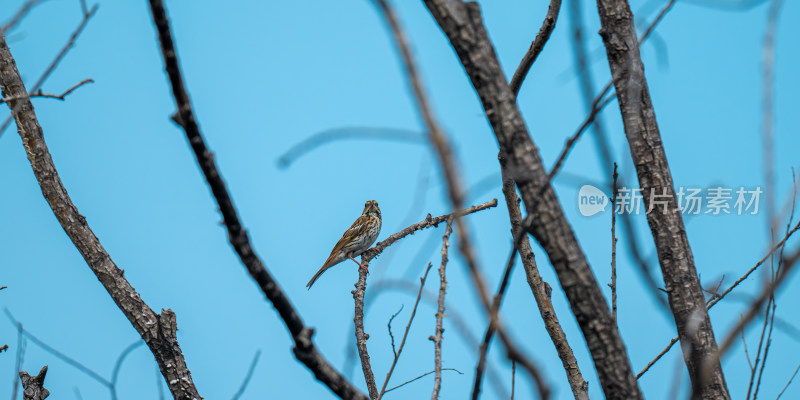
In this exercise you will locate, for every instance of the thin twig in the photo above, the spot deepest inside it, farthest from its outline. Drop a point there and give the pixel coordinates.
(768, 341)
(248, 376)
(118, 366)
(18, 358)
(755, 267)
(389, 327)
(75, 363)
(658, 357)
(405, 334)
(304, 349)
(613, 284)
(437, 337)
(453, 315)
(21, 13)
(768, 291)
(420, 377)
(60, 56)
(747, 353)
(349, 132)
(537, 46)
(789, 382)
(769, 318)
(48, 95)
(768, 108)
(490, 330)
(513, 376)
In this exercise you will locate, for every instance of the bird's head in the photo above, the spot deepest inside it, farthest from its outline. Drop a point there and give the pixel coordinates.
(371, 209)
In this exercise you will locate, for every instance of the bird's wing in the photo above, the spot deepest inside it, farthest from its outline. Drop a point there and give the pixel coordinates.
(359, 226)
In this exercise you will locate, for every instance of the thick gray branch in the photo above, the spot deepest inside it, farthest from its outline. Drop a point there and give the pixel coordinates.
(666, 224)
(462, 24)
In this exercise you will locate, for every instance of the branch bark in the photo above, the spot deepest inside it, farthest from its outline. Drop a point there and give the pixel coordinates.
(33, 386)
(304, 349)
(462, 24)
(361, 336)
(541, 291)
(437, 337)
(157, 330)
(537, 46)
(675, 256)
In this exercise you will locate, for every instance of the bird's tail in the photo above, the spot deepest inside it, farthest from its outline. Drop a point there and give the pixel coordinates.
(317, 275)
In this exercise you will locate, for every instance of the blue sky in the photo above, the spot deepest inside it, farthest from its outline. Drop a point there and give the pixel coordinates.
(264, 76)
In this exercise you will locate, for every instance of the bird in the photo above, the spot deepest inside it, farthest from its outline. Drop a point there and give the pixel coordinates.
(355, 239)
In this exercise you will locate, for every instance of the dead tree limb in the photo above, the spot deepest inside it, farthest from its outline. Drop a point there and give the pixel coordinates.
(157, 330)
(463, 25)
(537, 46)
(33, 386)
(666, 224)
(455, 191)
(304, 349)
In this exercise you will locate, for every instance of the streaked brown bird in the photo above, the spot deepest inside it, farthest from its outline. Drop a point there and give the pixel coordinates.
(355, 240)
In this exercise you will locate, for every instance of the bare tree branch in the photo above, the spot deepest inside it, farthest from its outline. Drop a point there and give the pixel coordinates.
(33, 386)
(304, 349)
(769, 290)
(350, 132)
(537, 46)
(405, 333)
(428, 222)
(768, 109)
(51, 96)
(118, 366)
(462, 24)
(613, 284)
(675, 256)
(157, 330)
(453, 316)
(791, 378)
(18, 359)
(389, 328)
(20, 14)
(541, 290)
(361, 336)
(717, 299)
(455, 190)
(437, 337)
(490, 330)
(420, 377)
(247, 376)
(361, 284)
(60, 56)
(63, 357)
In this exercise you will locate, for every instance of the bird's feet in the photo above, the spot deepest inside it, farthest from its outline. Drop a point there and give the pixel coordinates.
(363, 267)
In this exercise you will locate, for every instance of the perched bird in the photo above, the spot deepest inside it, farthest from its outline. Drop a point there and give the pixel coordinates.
(355, 240)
